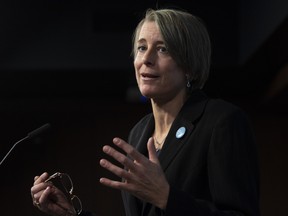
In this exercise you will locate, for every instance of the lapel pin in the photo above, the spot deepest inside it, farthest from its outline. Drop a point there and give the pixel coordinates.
(180, 132)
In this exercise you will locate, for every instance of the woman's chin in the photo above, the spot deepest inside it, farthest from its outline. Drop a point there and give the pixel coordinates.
(147, 94)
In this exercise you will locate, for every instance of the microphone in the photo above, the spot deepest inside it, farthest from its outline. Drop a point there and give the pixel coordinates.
(28, 136)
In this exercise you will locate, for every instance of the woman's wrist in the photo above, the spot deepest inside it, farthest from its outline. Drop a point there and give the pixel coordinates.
(163, 202)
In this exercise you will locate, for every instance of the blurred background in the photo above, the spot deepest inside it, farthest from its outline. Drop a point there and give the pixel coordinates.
(68, 63)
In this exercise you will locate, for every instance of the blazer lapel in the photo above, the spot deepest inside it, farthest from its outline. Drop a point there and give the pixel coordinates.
(187, 118)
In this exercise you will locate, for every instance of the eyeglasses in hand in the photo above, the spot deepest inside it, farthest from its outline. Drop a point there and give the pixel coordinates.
(63, 182)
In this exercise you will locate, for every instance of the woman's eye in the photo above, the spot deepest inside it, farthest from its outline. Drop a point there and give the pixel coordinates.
(141, 48)
(162, 49)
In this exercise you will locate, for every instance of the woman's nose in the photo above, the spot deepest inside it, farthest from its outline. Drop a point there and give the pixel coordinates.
(149, 57)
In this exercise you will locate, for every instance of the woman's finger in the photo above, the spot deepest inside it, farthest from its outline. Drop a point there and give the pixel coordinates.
(130, 150)
(41, 178)
(120, 172)
(121, 158)
(152, 151)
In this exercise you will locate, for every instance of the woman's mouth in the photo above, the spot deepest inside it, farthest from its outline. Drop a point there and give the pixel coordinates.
(148, 76)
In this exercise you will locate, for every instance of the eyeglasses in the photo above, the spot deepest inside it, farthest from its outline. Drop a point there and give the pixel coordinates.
(63, 182)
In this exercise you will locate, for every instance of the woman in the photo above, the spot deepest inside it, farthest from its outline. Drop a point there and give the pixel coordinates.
(192, 155)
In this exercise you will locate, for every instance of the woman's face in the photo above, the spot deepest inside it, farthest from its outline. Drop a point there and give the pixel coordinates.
(158, 76)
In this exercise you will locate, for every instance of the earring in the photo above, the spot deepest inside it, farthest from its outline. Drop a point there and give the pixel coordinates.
(188, 81)
(188, 84)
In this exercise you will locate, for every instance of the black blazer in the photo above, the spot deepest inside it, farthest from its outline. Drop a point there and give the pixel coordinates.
(212, 169)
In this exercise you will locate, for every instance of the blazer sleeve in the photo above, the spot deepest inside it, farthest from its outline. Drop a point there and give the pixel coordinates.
(232, 169)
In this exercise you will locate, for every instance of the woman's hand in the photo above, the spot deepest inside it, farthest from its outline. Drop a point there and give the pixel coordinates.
(142, 177)
(49, 198)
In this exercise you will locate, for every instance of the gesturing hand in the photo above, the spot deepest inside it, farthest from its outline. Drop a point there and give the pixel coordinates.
(142, 177)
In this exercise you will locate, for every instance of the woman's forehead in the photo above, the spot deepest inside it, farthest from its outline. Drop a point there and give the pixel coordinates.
(149, 30)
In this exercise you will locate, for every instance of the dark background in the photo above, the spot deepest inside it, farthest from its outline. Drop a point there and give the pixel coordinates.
(68, 63)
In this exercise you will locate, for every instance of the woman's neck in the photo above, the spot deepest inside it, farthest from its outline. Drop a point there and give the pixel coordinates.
(164, 115)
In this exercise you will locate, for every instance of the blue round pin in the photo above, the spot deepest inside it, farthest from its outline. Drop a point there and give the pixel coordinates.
(180, 132)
